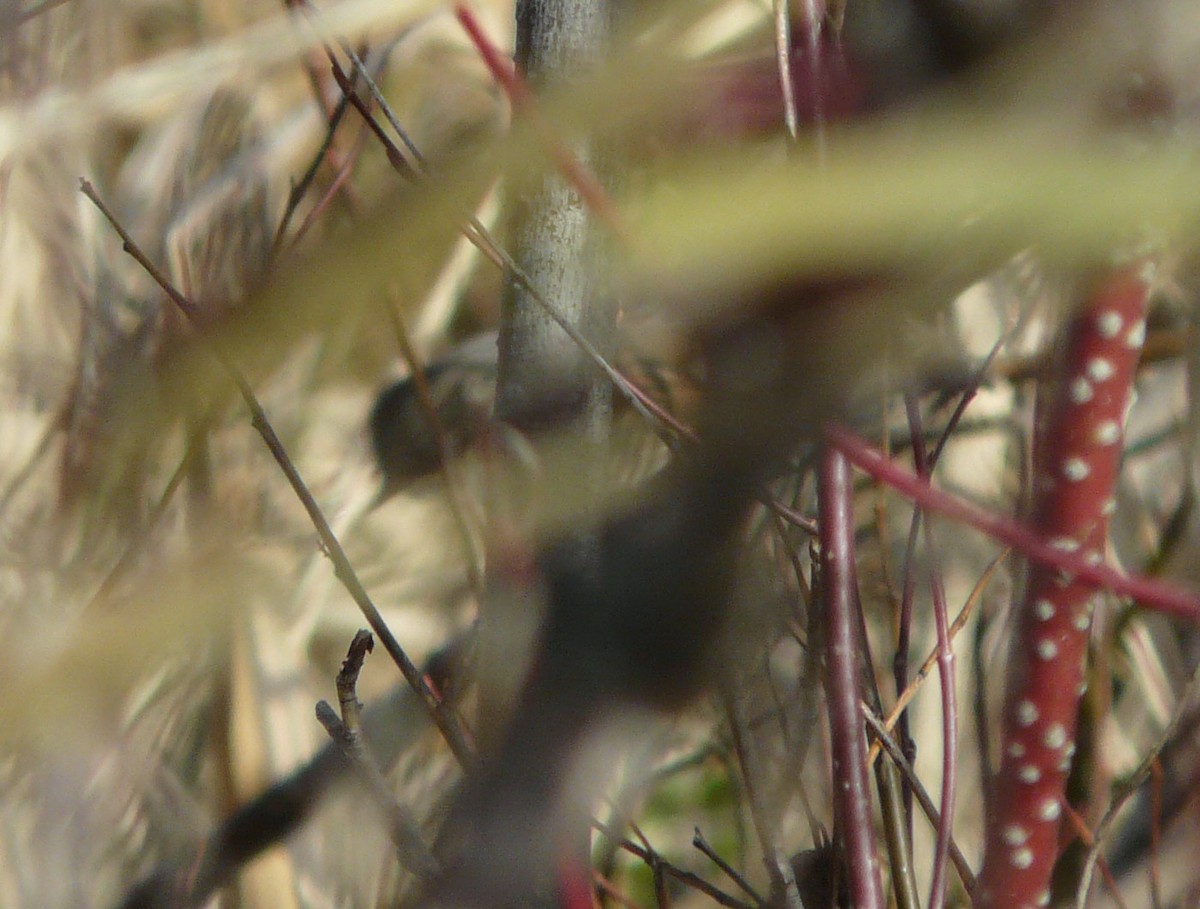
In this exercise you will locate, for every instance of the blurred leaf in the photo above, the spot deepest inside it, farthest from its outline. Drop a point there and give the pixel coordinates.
(961, 188)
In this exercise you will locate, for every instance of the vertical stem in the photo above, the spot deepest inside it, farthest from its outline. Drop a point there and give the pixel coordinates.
(851, 787)
(1076, 459)
(947, 683)
(541, 371)
(924, 465)
(556, 244)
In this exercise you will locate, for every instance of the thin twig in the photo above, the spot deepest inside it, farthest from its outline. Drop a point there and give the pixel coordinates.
(1136, 780)
(661, 898)
(609, 889)
(1147, 592)
(884, 740)
(649, 856)
(702, 844)
(751, 774)
(956, 626)
(347, 681)
(937, 887)
(925, 464)
(347, 734)
(339, 184)
(443, 717)
(783, 59)
(1089, 840)
(458, 508)
(908, 590)
(301, 187)
(892, 787)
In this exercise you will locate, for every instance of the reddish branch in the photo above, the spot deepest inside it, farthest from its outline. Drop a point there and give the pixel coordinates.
(1146, 592)
(1076, 460)
(521, 97)
(851, 786)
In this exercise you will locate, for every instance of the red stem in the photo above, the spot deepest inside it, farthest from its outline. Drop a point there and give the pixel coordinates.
(1147, 592)
(851, 787)
(1077, 455)
(523, 102)
(498, 65)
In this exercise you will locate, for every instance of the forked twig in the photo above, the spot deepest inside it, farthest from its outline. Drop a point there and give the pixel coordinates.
(347, 733)
(884, 740)
(960, 621)
(687, 878)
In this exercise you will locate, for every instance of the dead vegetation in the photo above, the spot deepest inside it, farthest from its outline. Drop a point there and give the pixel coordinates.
(176, 595)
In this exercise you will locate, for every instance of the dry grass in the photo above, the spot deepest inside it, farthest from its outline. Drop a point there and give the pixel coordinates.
(167, 619)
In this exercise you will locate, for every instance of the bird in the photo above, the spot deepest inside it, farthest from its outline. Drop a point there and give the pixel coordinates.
(408, 440)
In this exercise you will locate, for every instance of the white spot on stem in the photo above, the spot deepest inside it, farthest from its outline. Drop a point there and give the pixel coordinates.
(1075, 469)
(1027, 713)
(1056, 736)
(1043, 609)
(1022, 858)
(1050, 810)
(1081, 391)
(1108, 432)
(1109, 323)
(1100, 369)
(1015, 835)
(1029, 774)
(1047, 649)
(1137, 335)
